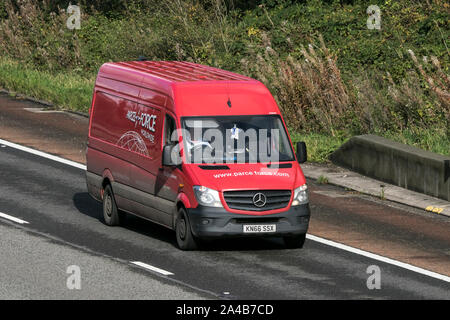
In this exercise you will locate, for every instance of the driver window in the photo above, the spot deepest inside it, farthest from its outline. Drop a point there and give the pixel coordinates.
(169, 128)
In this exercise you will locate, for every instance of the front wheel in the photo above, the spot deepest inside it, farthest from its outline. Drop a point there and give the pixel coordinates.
(295, 242)
(185, 238)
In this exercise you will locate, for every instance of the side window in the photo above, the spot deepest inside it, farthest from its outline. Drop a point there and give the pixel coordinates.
(169, 128)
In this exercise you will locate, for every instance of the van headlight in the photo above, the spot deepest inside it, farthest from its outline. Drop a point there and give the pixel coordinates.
(300, 195)
(207, 197)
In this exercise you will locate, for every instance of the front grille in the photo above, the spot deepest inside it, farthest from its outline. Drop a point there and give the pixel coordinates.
(243, 200)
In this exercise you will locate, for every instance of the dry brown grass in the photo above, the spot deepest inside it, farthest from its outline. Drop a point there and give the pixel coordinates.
(438, 81)
(29, 35)
(314, 97)
(311, 91)
(303, 89)
(307, 84)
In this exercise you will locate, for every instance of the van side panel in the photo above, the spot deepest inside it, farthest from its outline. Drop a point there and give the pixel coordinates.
(144, 168)
(99, 159)
(109, 82)
(126, 138)
(105, 131)
(152, 97)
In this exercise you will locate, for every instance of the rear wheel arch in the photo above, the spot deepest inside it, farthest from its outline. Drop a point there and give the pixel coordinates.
(107, 180)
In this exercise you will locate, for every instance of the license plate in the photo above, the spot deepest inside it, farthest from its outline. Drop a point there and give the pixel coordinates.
(259, 228)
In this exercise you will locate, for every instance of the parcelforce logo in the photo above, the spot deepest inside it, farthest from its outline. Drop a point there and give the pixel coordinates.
(259, 200)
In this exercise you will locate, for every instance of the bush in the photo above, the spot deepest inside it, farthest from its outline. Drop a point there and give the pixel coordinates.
(331, 76)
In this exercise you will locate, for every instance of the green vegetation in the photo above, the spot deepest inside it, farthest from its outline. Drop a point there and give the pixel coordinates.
(331, 76)
(319, 145)
(322, 180)
(382, 196)
(68, 91)
(435, 140)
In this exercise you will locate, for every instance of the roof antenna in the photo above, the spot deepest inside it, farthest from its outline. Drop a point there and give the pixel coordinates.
(142, 58)
(228, 94)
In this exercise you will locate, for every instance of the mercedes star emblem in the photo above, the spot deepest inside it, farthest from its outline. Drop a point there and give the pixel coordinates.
(259, 200)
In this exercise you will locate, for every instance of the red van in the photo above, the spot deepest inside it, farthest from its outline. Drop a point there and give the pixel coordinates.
(199, 150)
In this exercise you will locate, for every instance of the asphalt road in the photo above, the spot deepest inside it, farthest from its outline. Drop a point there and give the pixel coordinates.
(52, 198)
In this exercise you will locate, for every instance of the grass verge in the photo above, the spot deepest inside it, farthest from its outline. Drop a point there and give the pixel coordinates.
(68, 91)
(320, 145)
(71, 91)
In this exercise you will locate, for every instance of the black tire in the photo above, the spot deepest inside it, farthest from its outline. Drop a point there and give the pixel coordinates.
(295, 242)
(185, 238)
(111, 215)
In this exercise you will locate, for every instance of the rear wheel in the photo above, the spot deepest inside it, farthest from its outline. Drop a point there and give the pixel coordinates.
(185, 238)
(295, 242)
(111, 214)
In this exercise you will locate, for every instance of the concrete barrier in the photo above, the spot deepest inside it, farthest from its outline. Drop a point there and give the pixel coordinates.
(396, 163)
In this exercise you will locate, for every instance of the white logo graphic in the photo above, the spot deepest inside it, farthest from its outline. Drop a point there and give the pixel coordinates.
(374, 19)
(74, 280)
(374, 280)
(74, 21)
(132, 141)
(145, 120)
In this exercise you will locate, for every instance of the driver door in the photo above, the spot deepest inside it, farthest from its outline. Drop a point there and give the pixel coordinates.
(167, 181)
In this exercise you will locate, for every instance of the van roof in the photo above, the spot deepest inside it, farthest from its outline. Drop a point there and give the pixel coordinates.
(181, 71)
(192, 89)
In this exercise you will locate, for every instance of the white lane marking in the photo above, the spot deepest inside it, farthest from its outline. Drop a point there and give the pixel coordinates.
(43, 154)
(379, 258)
(309, 236)
(6, 216)
(152, 268)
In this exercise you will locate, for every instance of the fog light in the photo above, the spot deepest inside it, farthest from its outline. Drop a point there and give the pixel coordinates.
(205, 221)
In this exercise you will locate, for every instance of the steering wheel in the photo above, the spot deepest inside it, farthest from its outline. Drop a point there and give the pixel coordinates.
(198, 146)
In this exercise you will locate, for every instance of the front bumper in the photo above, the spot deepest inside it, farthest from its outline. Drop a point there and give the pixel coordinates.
(221, 223)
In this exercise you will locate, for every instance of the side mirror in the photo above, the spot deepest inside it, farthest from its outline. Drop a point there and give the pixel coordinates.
(301, 152)
(174, 137)
(171, 156)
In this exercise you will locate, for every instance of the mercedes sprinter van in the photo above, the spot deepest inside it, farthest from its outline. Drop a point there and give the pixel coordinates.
(202, 151)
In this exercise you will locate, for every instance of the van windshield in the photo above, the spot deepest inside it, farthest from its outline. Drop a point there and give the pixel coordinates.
(236, 139)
